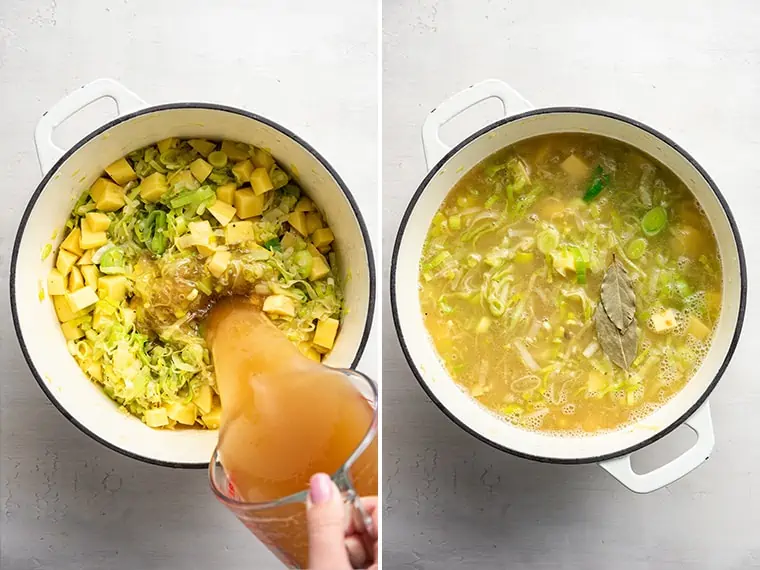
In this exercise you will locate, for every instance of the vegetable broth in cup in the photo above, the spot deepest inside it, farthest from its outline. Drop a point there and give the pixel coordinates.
(512, 275)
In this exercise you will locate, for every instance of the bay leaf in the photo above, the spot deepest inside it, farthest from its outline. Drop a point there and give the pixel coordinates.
(619, 346)
(618, 297)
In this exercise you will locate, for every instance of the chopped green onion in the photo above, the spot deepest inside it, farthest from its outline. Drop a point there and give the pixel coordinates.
(113, 261)
(491, 201)
(580, 265)
(273, 244)
(47, 250)
(598, 183)
(524, 257)
(636, 248)
(455, 222)
(654, 221)
(217, 159)
(437, 260)
(304, 261)
(547, 241)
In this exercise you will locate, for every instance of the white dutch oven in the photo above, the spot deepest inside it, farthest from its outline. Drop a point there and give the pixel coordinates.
(611, 450)
(68, 173)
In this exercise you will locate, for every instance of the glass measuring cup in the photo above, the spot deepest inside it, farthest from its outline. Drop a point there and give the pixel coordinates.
(281, 524)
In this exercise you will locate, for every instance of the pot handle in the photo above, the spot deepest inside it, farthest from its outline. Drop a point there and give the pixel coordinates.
(701, 422)
(432, 144)
(48, 152)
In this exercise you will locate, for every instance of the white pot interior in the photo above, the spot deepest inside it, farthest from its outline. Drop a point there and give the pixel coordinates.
(422, 352)
(39, 329)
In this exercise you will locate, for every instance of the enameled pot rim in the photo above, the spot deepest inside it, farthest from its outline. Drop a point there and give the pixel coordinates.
(127, 117)
(587, 111)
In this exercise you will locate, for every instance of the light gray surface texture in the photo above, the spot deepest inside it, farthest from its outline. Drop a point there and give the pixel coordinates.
(688, 68)
(67, 502)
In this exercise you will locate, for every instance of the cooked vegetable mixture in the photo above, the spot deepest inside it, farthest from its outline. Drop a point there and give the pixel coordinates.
(156, 239)
(570, 283)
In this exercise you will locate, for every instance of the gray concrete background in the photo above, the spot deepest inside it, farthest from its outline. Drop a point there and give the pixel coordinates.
(688, 68)
(68, 503)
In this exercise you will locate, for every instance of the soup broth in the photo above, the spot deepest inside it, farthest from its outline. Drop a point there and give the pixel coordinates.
(511, 283)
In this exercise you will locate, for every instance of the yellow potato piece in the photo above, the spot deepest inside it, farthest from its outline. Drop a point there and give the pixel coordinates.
(279, 305)
(94, 370)
(121, 172)
(63, 309)
(156, 417)
(242, 171)
(298, 221)
(90, 239)
(86, 259)
(248, 203)
(213, 419)
(97, 221)
(698, 329)
(204, 399)
(322, 237)
(222, 211)
(304, 205)
(113, 287)
(72, 242)
(235, 150)
(71, 330)
(91, 274)
(76, 281)
(56, 283)
(218, 263)
(166, 144)
(313, 222)
(204, 147)
(324, 336)
(238, 232)
(226, 193)
(262, 159)
(319, 268)
(65, 261)
(575, 166)
(200, 169)
(260, 181)
(82, 299)
(111, 201)
(182, 413)
(101, 186)
(154, 187)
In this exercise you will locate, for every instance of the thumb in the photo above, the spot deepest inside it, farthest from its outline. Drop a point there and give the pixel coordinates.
(326, 523)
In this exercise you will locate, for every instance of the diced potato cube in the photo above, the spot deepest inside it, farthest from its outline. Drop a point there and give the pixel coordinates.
(262, 159)
(98, 221)
(91, 274)
(63, 309)
(226, 193)
(86, 259)
(65, 261)
(204, 399)
(213, 419)
(113, 287)
(222, 211)
(82, 299)
(182, 413)
(322, 237)
(206, 249)
(200, 169)
(309, 351)
(76, 281)
(94, 370)
(248, 203)
(167, 144)
(324, 336)
(235, 150)
(201, 232)
(204, 147)
(664, 321)
(319, 268)
(72, 242)
(182, 179)
(56, 283)
(154, 187)
(304, 205)
(298, 221)
(242, 171)
(101, 187)
(288, 240)
(698, 329)
(279, 305)
(90, 239)
(71, 330)
(121, 172)
(313, 222)
(218, 263)
(112, 200)
(238, 232)
(156, 417)
(563, 261)
(260, 181)
(575, 166)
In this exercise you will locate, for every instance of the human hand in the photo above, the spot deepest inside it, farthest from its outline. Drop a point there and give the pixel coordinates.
(334, 543)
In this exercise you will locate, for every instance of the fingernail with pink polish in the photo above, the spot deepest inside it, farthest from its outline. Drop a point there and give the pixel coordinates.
(320, 488)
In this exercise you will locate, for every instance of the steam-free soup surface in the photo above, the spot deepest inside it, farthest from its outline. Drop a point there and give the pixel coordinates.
(511, 274)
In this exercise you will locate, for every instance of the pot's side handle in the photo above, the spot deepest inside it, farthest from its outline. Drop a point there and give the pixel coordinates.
(701, 423)
(48, 152)
(434, 147)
